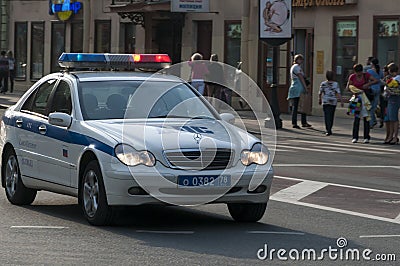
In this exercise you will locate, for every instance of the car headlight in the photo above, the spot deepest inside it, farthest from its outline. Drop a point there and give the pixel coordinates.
(131, 157)
(258, 154)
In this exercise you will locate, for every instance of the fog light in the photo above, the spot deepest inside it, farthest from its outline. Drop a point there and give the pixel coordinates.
(137, 191)
(259, 189)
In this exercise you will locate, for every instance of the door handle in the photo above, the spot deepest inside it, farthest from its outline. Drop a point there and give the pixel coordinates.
(18, 122)
(42, 129)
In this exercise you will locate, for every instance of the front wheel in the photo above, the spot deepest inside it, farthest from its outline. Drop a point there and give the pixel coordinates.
(247, 212)
(16, 191)
(92, 196)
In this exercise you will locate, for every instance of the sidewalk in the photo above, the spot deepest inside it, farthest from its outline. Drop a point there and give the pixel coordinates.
(8, 99)
(341, 130)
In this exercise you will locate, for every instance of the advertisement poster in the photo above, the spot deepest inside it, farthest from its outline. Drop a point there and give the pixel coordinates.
(275, 19)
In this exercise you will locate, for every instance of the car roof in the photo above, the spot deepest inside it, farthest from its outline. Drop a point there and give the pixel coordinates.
(123, 75)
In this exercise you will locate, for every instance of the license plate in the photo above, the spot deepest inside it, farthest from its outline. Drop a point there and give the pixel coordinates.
(204, 181)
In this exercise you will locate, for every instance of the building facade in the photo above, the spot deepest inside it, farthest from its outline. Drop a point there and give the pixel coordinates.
(331, 34)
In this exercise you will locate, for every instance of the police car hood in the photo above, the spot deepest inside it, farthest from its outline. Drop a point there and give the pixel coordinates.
(172, 134)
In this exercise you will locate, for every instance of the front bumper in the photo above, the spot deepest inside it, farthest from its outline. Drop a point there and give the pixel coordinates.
(159, 186)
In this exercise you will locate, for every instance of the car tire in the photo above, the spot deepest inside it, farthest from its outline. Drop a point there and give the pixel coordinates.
(92, 196)
(16, 191)
(247, 212)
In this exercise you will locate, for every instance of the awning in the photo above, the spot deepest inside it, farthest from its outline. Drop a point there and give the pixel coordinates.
(142, 7)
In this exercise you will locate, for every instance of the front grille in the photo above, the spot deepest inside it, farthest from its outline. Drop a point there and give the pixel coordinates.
(208, 159)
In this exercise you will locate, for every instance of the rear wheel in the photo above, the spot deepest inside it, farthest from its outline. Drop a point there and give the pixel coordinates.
(92, 195)
(247, 212)
(16, 191)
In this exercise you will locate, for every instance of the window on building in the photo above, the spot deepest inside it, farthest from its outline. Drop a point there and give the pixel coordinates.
(345, 50)
(20, 49)
(283, 66)
(102, 42)
(127, 38)
(386, 41)
(77, 37)
(37, 50)
(57, 44)
(233, 33)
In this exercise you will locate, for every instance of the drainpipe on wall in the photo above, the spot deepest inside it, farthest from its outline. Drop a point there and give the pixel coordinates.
(244, 48)
(244, 45)
(86, 25)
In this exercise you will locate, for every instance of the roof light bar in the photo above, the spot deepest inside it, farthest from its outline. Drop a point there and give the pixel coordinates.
(108, 61)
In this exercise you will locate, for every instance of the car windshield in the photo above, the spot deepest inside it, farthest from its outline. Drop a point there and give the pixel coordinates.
(138, 99)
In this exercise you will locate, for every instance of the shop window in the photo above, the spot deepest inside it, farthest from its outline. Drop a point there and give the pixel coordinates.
(77, 37)
(37, 48)
(282, 68)
(20, 49)
(345, 49)
(57, 44)
(387, 39)
(127, 38)
(102, 36)
(233, 33)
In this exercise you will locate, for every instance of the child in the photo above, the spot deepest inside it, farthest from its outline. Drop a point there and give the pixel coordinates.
(328, 92)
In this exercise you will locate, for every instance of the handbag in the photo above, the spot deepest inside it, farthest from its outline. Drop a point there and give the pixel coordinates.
(305, 104)
(355, 105)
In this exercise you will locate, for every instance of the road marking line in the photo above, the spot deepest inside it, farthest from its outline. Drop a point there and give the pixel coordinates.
(340, 185)
(307, 149)
(364, 147)
(164, 232)
(379, 236)
(397, 218)
(37, 227)
(338, 210)
(277, 233)
(359, 150)
(298, 191)
(281, 150)
(335, 166)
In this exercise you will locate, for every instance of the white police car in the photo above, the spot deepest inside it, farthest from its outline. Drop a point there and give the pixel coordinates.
(115, 138)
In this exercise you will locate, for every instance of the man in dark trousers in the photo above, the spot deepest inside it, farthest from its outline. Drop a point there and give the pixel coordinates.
(4, 72)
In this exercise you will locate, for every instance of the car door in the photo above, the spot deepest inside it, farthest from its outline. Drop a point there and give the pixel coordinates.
(57, 161)
(32, 114)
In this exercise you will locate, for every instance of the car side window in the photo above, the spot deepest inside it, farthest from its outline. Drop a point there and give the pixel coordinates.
(37, 101)
(61, 101)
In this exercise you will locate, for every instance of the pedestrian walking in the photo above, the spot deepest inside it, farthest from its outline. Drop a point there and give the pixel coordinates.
(4, 72)
(392, 93)
(11, 67)
(358, 83)
(215, 85)
(377, 73)
(329, 92)
(297, 87)
(383, 100)
(198, 73)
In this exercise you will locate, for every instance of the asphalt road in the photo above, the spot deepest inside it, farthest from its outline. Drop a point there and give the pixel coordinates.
(325, 189)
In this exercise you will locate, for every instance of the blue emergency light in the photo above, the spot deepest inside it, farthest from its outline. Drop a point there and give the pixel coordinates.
(112, 61)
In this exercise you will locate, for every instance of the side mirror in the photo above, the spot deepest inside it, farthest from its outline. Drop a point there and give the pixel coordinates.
(228, 117)
(60, 119)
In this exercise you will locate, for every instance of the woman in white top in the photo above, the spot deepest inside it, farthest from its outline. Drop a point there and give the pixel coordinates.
(297, 87)
(328, 92)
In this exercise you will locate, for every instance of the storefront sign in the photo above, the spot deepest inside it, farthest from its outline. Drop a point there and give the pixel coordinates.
(190, 6)
(311, 3)
(64, 8)
(346, 29)
(388, 28)
(275, 19)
